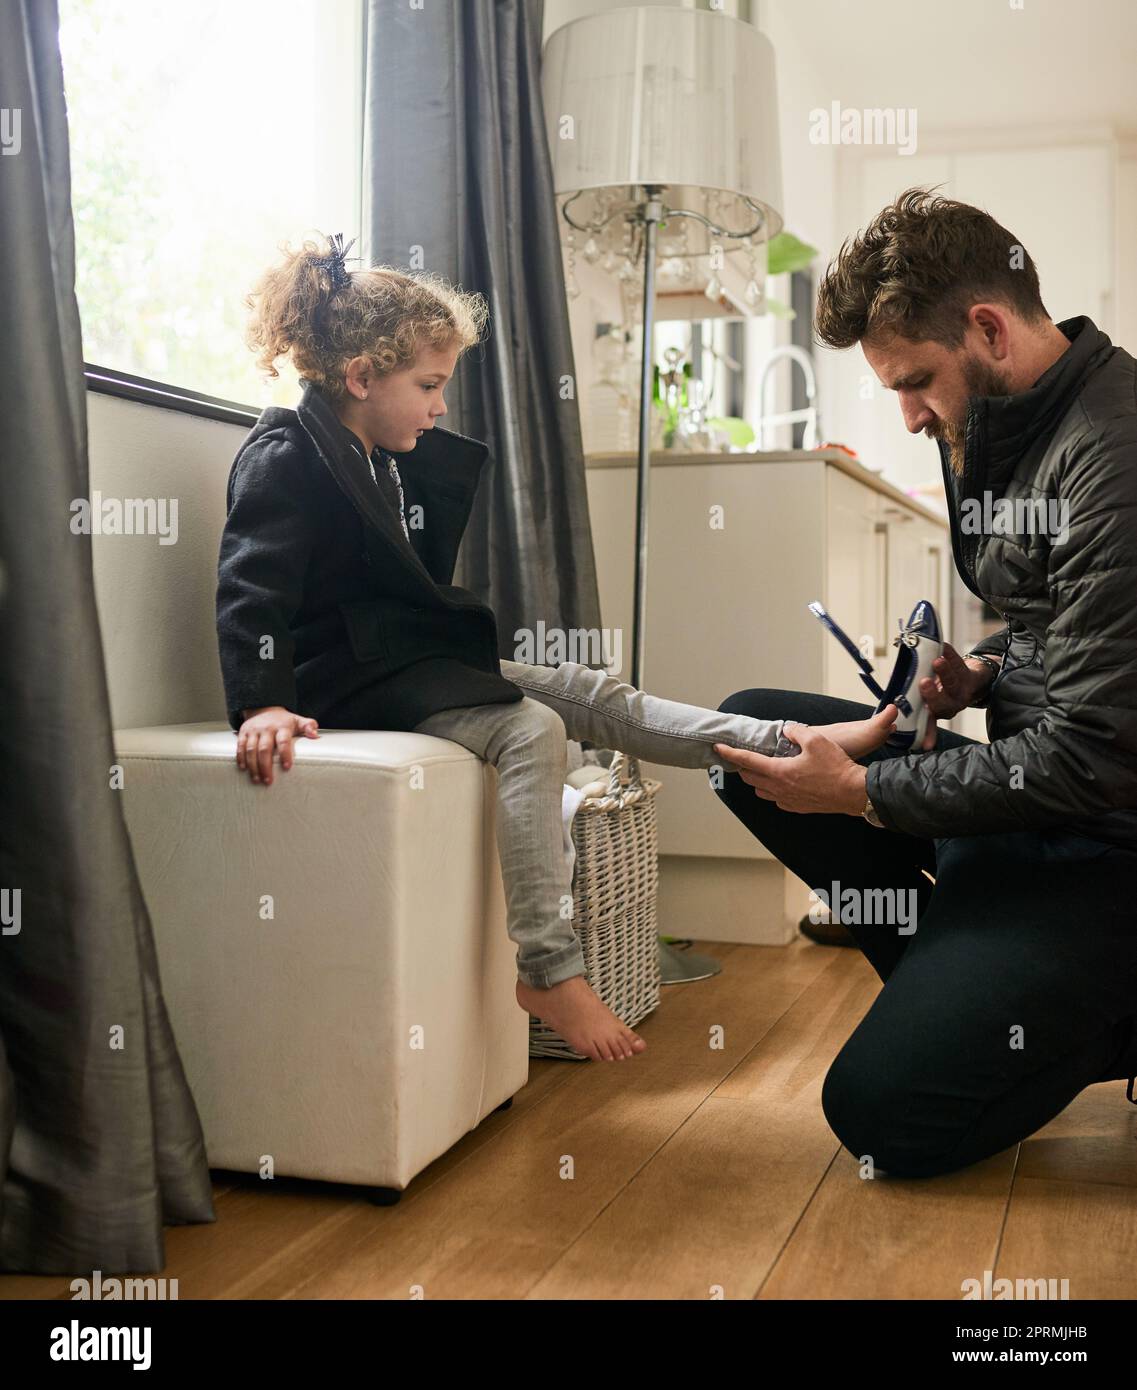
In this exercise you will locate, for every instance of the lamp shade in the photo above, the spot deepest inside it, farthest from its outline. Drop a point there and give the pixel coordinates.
(653, 95)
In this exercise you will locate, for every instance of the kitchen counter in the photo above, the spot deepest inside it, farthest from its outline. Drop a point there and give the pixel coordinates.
(670, 458)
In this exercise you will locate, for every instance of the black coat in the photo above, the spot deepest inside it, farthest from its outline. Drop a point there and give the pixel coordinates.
(323, 606)
(1062, 716)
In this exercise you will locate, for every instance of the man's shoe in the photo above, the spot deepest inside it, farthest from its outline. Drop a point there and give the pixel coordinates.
(1124, 1066)
(826, 933)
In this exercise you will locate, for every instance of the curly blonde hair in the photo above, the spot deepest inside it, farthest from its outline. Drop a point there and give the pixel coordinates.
(383, 314)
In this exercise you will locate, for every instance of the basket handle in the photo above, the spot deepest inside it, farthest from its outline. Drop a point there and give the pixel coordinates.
(624, 776)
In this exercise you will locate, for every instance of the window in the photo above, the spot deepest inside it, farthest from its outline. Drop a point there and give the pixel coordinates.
(203, 135)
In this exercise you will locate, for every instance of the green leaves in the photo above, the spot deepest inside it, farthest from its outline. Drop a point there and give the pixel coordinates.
(785, 253)
(737, 430)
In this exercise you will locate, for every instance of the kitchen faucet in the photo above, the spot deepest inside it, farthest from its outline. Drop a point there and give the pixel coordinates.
(811, 414)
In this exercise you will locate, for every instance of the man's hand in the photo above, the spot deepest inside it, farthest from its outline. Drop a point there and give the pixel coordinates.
(955, 685)
(268, 731)
(821, 779)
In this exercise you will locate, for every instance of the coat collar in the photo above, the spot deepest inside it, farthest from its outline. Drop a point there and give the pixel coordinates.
(1000, 429)
(441, 459)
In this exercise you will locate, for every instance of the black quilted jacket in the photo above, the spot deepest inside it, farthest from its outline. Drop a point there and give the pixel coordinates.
(1062, 716)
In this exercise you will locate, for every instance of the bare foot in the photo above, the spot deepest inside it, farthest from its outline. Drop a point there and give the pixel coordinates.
(586, 1024)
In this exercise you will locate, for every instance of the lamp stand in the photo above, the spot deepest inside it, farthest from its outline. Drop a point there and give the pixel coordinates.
(675, 967)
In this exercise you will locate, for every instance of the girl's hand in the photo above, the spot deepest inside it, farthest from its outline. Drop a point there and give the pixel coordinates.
(859, 736)
(268, 731)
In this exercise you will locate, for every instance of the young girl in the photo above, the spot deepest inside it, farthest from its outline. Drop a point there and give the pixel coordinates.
(335, 607)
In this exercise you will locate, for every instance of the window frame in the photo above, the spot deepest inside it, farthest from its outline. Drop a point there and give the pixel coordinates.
(110, 381)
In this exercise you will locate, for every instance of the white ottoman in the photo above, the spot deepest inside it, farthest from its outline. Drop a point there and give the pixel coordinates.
(332, 947)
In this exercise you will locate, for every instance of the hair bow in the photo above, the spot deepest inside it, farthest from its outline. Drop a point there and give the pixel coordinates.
(334, 261)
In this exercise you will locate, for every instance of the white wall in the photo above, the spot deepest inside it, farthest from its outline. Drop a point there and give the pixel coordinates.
(1125, 240)
(156, 602)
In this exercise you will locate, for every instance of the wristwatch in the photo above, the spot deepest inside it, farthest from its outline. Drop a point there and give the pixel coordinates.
(995, 667)
(871, 816)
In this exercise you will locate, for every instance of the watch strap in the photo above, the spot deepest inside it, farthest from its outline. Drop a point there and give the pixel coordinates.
(984, 699)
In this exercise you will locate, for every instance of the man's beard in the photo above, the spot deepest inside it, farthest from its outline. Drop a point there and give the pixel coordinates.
(980, 380)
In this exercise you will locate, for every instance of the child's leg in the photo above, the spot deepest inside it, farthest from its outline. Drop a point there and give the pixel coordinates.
(607, 712)
(526, 742)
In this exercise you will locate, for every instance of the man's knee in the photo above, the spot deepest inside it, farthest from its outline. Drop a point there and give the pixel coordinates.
(874, 1117)
(767, 703)
(758, 703)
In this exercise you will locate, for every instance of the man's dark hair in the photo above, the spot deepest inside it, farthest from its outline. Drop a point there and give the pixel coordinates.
(917, 269)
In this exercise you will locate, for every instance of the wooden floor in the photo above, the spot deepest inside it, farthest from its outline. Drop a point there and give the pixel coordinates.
(693, 1170)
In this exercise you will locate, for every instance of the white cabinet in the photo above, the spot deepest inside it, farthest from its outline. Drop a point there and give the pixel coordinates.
(854, 580)
(916, 559)
(738, 546)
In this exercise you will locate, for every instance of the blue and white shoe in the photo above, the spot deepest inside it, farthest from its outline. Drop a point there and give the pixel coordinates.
(920, 642)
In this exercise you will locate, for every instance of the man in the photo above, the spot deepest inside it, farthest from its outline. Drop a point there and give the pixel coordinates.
(1017, 985)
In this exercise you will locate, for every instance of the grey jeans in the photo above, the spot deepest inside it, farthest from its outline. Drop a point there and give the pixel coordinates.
(526, 743)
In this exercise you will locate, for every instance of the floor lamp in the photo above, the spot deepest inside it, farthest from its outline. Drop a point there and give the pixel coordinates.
(650, 113)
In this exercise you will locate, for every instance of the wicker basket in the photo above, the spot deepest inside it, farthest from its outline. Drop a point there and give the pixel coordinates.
(614, 887)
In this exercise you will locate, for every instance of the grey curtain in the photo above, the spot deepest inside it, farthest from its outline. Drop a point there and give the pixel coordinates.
(100, 1143)
(456, 161)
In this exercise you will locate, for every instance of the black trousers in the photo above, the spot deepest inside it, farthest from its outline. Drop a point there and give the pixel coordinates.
(1017, 989)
